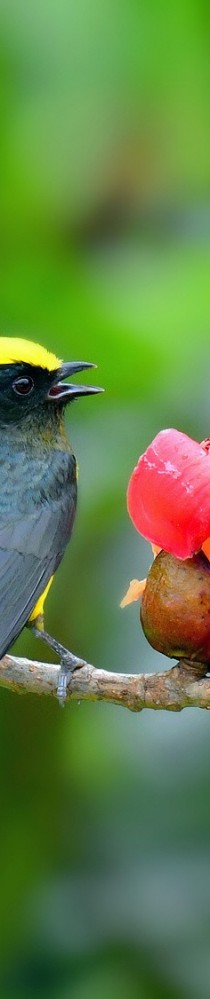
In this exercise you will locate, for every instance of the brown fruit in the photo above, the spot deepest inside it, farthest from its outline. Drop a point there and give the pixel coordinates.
(175, 609)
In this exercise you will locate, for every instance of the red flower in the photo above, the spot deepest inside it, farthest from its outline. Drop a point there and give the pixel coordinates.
(169, 494)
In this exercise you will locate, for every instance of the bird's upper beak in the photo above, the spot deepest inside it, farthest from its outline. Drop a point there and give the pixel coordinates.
(62, 392)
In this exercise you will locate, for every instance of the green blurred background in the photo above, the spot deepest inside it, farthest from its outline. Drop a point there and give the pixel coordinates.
(105, 255)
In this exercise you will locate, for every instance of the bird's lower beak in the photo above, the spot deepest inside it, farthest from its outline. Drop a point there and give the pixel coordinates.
(61, 392)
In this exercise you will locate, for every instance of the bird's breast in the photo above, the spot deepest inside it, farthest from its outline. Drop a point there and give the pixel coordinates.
(37, 502)
(30, 479)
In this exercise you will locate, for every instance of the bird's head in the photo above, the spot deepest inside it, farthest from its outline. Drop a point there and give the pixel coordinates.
(32, 379)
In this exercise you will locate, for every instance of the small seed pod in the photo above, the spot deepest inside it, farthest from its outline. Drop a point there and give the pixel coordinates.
(175, 609)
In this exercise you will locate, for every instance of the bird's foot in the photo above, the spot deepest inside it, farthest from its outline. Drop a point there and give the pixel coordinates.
(68, 662)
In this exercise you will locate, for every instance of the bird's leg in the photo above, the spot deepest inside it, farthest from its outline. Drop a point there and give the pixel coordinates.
(68, 662)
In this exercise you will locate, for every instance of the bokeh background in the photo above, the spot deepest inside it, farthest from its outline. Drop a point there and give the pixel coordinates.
(105, 255)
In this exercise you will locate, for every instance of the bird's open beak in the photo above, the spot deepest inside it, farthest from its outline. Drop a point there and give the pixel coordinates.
(62, 392)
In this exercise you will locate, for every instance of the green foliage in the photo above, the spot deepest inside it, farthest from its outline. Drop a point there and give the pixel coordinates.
(105, 255)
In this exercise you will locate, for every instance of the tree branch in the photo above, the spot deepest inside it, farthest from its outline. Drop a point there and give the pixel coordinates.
(184, 685)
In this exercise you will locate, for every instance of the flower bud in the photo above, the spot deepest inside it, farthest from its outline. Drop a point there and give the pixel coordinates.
(169, 493)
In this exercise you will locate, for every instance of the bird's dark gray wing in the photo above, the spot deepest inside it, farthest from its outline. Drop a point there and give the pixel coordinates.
(31, 548)
(22, 580)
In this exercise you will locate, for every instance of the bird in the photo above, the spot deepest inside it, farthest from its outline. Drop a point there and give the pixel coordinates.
(38, 486)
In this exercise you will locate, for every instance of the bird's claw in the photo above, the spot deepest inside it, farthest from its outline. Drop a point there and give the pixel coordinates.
(63, 678)
(69, 663)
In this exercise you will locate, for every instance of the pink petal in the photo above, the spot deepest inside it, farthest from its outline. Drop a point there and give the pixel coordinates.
(169, 493)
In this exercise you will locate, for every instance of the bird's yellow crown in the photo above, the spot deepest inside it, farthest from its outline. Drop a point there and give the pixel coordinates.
(13, 349)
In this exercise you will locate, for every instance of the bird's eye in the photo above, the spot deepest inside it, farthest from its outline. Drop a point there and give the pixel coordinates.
(23, 386)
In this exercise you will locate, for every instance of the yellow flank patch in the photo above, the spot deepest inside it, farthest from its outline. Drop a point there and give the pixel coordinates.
(14, 349)
(39, 608)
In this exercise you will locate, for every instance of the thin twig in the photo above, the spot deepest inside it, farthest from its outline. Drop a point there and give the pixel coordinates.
(180, 687)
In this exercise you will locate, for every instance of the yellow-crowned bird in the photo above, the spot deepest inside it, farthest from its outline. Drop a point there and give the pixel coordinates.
(38, 485)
